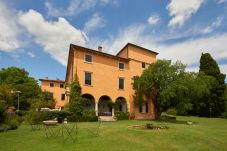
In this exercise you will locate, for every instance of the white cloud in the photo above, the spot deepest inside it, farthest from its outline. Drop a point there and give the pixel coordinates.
(8, 29)
(214, 25)
(154, 19)
(188, 51)
(31, 54)
(75, 7)
(181, 11)
(221, 1)
(96, 21)
(54, 37)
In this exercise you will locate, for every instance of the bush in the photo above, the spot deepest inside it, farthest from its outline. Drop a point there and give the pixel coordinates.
(87, 116)
(2, 111)
(224, 115)
(166, 117)
(171, 111)
(74, 118)
(122, 115)
(4, 127)
(50, 115)
(34, 117)
(13, 124)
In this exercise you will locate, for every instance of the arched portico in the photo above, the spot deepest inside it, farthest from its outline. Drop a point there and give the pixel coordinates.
(105, 106)
(89, 102)
(121, 104)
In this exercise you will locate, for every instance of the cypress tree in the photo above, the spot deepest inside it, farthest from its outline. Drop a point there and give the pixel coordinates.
(209, 66)
(75, 100)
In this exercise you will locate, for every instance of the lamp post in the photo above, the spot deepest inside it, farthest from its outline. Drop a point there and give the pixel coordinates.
(18, 100)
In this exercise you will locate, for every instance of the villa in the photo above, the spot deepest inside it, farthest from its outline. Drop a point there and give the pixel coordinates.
(106, 78)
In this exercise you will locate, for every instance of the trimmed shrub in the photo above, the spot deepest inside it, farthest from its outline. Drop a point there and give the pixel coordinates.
(87, 116)
(122, 115)
(171, 111)
(50, 115)
(166, 117)
(35, 117)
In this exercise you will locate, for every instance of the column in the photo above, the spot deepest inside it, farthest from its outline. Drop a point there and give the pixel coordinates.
(96, 108)
(112, 112)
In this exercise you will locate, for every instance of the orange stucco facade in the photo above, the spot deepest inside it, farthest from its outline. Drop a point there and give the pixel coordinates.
(105, 73)
(57, 88)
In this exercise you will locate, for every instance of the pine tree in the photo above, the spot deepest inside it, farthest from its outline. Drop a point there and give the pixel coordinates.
(75, 100)
(209, 66)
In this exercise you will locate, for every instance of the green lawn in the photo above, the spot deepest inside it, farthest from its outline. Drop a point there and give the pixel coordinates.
(206, 134)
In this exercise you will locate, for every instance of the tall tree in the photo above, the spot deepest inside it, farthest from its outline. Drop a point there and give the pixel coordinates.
(154, 80)
(18, 79)
(75, 99)
(210, 67)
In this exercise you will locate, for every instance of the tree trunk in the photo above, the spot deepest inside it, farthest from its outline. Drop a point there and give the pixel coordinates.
(157, 111)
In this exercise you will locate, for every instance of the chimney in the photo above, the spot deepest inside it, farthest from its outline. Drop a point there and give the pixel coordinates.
(100, 48)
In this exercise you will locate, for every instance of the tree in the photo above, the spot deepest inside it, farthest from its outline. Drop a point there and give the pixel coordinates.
(154, 80)
(210, 67)
(75, 100)
(186, 93)
(19, 80)
(45, 100)
(6, 94)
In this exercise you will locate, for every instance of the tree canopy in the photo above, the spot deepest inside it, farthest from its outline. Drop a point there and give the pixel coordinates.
(168, 85)
(154, 81)
(16, 79)
(210, 67)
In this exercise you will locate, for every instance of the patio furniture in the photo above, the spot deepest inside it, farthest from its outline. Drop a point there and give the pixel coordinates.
(67, 131)
(50, 128)
(95, 130)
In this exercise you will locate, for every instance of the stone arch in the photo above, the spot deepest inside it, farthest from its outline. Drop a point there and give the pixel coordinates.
(89, 102)
(121, 104)
(105, 106)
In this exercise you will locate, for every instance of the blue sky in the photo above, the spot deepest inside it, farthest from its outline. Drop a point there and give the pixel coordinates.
(35, 35)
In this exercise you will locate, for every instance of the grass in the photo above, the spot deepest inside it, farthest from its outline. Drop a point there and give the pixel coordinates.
(205, 135)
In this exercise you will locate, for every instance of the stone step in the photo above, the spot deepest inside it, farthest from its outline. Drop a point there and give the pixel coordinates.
(107, 118)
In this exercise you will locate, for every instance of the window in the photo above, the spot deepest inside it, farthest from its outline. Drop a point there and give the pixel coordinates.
(87, 78)
(62, 96)
(121, 65)
(121, 83)
(143, 108)
(88, 58)
(143, 65)
(51, 84)
(61, 85)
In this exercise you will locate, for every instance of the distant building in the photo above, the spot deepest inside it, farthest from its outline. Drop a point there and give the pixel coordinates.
(106, 78)
(57, 88)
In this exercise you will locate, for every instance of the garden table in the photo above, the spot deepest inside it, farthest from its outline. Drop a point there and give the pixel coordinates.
(50, 128)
